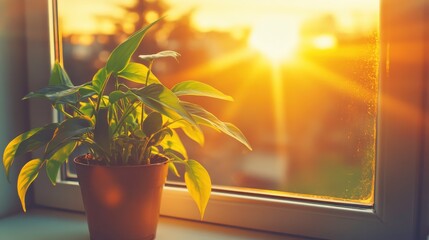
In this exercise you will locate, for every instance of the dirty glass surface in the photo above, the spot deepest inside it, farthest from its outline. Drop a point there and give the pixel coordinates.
(303, 74)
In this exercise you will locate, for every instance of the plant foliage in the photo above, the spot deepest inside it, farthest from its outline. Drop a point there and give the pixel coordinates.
(122, 126)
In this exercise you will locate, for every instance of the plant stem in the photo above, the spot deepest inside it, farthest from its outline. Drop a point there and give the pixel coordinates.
(116, 83)
(100, 95)
(64, 112)
(76, 109)
(127, 112)
(142, 116)
(41, 165)
(143, 151)
(115, 113)
(94, 146)
(148, 72)
(145, 146)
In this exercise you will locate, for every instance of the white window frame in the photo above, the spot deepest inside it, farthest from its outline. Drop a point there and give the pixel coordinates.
(401, 142)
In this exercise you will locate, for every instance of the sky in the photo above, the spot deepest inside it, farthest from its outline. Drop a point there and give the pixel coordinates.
(226, 13)
(76, 15)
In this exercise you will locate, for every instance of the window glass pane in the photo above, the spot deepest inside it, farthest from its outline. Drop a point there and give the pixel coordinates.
(303, 74)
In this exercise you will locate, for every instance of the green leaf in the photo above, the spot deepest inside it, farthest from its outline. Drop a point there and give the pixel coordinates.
(87, 108)
(101, 131)
(99, 79)
(131, 121)
(198, 183)
(87, 91)
(173, 142)
(58, 158)
(204, 117)
(196, 88)
(173, 168)
(121, 55)
(118, 94)
(173, 155)
(56, 94)
(52, 168)
(60, 88)
(37, 140)
(59, 76)
(26, 176)
(159, 136)
(137, 72)
(63, 94)
(138, 133)
(161, 99)
(25, 142)
(152, 123)
(69, 128)
(162, 54)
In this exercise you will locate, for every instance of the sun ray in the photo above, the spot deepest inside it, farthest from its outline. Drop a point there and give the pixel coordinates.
(214, 66)
(336, 81)
(392, 105)
(280, 134)
(244, 88)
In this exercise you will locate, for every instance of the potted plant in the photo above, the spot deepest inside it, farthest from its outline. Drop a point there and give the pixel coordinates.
(131, 137)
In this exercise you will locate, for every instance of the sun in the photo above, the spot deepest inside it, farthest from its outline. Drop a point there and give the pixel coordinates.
(325, 41)
(277, 40)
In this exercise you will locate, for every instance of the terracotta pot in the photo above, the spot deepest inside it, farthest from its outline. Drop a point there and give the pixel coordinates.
(121, 202)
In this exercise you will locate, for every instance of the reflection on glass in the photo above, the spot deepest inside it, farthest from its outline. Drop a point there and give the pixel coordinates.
(303, 74)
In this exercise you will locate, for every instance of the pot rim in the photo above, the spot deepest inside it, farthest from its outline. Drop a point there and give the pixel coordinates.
(77, 161)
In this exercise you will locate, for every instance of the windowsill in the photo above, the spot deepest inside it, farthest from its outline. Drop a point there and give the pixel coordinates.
(47, 224)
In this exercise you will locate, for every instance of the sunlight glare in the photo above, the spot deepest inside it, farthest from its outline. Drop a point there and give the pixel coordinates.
(325, 41)
(278, 103)
(276, 39)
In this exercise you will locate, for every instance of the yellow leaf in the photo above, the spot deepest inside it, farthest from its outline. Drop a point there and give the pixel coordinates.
(198, 183)
(193, 133)
(27, 175)
(11, 148)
